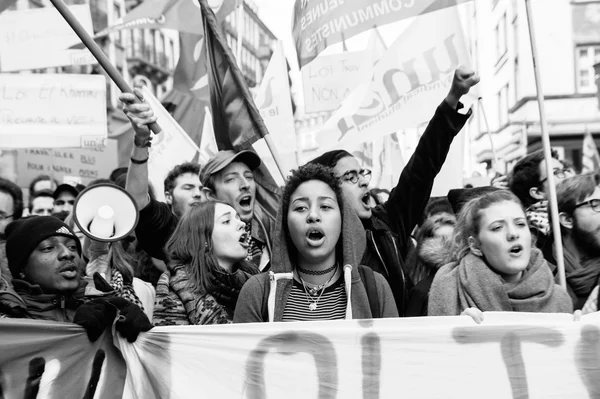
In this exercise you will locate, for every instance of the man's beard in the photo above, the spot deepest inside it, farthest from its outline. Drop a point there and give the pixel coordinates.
(587, 241)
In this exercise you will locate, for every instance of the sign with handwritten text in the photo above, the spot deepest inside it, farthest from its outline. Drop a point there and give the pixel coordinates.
(79, 165)
(509, 355)
(40, 38)
(51, 110)
(329, 79)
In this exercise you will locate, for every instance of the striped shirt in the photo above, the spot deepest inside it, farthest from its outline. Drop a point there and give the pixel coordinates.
(330, 306)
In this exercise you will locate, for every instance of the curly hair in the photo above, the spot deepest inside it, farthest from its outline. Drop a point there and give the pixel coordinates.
(469, 219)
(187, 167)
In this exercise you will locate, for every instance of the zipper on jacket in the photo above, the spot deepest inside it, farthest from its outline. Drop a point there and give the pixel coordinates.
(370, 235)
(62, 307)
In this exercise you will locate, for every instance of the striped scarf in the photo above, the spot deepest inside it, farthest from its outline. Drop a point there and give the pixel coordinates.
(124, 290)
(255, 248)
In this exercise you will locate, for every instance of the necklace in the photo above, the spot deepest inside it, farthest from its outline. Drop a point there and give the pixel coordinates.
(316, 272)
(313, 305)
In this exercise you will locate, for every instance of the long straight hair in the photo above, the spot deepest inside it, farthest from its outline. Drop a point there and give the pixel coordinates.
(191, 246)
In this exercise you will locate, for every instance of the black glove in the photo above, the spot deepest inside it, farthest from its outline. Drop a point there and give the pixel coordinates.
(98, 314)
(101, 284)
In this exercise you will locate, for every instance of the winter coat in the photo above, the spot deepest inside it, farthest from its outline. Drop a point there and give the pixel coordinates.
(263, 298)
(388, 230)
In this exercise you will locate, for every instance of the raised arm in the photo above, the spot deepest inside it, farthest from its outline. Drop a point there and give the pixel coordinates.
(140, 115)
(409, 198)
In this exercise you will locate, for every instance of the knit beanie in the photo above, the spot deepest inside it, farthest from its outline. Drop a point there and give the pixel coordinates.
(331, 158)
(24, 235)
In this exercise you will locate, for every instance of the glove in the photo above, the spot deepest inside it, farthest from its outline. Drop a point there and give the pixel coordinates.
(98, 314)
(101, 284)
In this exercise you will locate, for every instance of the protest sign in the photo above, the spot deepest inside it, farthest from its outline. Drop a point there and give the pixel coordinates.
(74, 165)
(329, 79)
(405, 86)
(171, 147)
(50, 111)
(40, 38)
(319, 23)
(509, 355)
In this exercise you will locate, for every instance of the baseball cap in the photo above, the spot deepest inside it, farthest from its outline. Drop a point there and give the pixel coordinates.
(224, 158)
(65, 187)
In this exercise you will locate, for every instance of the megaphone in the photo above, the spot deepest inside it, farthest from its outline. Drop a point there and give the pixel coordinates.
(105, 212)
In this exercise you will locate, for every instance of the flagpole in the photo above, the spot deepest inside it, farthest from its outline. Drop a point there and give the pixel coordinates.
(97, 52)
(489, 134)
(547, 152)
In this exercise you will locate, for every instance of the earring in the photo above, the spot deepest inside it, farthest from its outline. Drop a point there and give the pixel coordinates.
(22, 275)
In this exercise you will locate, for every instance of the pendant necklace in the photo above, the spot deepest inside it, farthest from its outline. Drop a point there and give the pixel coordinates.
(314, 305)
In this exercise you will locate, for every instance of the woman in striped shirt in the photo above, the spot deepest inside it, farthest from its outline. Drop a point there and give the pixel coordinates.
(315, 267)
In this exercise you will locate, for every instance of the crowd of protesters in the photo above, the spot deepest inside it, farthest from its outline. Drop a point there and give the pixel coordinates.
(336, 249)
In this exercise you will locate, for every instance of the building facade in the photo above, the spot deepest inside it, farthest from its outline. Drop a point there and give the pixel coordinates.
(568, 45)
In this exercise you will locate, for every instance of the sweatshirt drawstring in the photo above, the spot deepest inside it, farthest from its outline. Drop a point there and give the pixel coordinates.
(348, 283)
(273, 285)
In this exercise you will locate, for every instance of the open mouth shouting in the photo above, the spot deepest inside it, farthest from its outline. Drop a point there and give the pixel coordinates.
(245, 202)
(244, 240)
(516, 250)
(69, 271)
(366, 200)
(315, 237)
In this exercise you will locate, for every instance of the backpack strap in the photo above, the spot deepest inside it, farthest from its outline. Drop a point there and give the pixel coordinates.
(368, 279)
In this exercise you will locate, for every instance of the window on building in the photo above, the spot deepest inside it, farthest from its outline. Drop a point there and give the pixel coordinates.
(500, 36)
(586, 57)
(116, 17)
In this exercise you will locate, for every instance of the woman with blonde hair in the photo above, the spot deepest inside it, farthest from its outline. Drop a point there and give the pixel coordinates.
(494, 265)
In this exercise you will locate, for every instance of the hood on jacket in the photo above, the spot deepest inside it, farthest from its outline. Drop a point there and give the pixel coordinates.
(352, 237)
(435, 252)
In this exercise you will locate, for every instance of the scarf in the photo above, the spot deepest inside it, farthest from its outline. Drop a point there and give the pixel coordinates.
(581, 276)
(177, 304)
(537, 216)
(124, 290)
(473, 284)
(227, 287)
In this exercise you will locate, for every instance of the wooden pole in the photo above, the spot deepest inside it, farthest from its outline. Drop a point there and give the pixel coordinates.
(547, 153)
(97, 52)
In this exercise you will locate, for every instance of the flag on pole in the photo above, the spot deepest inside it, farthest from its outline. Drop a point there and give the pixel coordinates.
(170, 148)
(236, 120)
(591, 158)
(180, 15)
(405, 86)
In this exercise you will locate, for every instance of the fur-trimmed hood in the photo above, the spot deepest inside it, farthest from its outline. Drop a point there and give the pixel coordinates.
(435, 253)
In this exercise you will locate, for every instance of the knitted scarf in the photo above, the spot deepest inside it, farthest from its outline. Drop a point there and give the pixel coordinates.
(227, 287)
(124, 290)
(473, 284)
(537, 216)
(177, 304)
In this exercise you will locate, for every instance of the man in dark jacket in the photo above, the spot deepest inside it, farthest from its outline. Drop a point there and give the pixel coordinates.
(388, 226)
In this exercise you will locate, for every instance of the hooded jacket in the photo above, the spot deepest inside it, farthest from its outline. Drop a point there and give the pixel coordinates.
(264, 296)
(391, 224)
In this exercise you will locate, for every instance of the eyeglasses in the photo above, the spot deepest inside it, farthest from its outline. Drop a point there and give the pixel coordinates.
(353, 176)
(4, 217)
(594, 204)
(561, 173)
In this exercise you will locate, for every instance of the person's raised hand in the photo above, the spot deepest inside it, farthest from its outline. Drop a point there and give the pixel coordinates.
(464, 78)
(140, 114)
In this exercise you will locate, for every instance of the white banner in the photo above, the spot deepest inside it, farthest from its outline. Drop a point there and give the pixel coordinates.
(329, 79)
(52, 110)
(170, 148)
(40, 38)
(405, 86)
(509, 355)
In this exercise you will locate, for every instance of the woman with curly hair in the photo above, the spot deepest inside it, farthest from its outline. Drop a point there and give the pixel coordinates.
(315, 271)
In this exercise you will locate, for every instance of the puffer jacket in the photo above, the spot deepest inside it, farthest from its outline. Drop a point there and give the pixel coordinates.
(389, 228)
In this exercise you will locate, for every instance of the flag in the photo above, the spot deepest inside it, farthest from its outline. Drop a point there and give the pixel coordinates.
(405, 86)
(317, 24)
(170, 148)
(208, 145)
(590, 158)
(190, 73)
(180, 15)
(236, 120)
